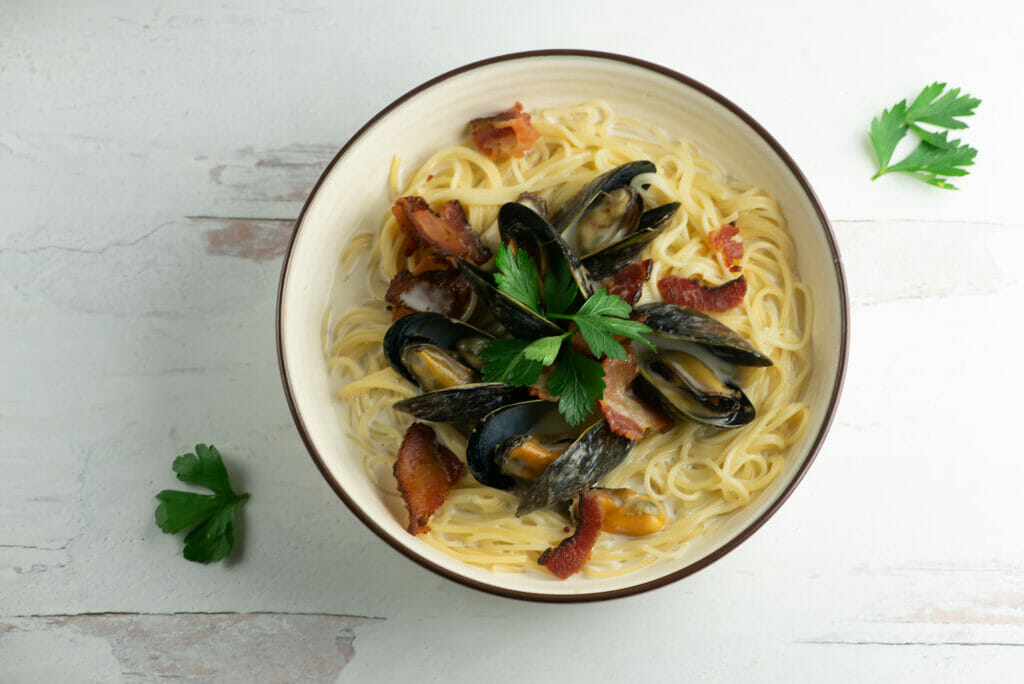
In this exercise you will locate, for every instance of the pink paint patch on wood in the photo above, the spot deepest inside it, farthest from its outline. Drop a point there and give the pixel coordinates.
(998, 608)
(254, 239)
(252, 647)
(285, 174)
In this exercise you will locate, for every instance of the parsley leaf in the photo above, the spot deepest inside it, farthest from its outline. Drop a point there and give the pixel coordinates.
(560, 287)
(211, 516)
(517, 276)
(505, 361)
(935, 156)
(602, 316)
(545, 349)
(577, 382)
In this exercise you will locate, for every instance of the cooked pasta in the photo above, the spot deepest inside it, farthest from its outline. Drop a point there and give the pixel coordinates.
(698, 472)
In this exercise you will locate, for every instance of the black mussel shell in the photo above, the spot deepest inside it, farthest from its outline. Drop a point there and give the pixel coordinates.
(529, 230)
(423, 327)
(573, 210)
(591, 457)
(462, 404)
(518, 318)
(606, 262)
(492, 431)
(672, 323)
(722, 404)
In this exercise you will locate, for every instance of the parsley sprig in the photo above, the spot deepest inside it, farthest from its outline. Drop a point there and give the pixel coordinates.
(935, 155)
(577, 381)
(211, 516)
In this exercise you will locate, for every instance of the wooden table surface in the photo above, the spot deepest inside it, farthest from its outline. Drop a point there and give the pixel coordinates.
(152, 162)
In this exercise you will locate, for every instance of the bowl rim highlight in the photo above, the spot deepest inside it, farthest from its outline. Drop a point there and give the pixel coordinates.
(689, 569)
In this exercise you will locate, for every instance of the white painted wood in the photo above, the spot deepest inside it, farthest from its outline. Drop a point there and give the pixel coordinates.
(137, 142)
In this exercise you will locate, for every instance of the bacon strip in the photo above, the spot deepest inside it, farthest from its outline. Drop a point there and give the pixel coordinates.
(627, 415)
(446, 292)
(627, 283)
(508, 134)
(694, 294)
(447, 233)
(721, 240)
(569, 557)
(425, 471)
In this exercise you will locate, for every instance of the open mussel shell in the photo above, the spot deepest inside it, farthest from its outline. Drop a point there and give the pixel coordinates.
(494, 430)
(463, 403)
(674, 325)
(567, 218)
(521, 225)
(597, 451)
(425, 327)
(517, 318)
(687, 387)
(606, 262)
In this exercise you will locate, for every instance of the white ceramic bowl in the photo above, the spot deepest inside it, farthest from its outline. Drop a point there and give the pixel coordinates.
(352, 196)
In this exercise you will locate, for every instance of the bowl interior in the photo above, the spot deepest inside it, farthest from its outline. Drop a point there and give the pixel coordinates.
(353, 197)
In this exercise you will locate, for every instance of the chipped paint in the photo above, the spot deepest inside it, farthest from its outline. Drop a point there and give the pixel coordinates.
(285, 174)
(254, 239)
(210, 646)
(998, 608)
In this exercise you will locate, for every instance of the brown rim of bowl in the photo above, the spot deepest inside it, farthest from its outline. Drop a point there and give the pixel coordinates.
(682, 572)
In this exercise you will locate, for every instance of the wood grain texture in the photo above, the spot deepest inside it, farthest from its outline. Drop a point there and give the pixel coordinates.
(152, 163)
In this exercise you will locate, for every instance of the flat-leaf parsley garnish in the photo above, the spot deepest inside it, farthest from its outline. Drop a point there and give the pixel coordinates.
(211, 516)
(577, 381)
(935, 155)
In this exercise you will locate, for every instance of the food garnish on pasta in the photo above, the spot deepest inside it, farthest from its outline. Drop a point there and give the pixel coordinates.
(599, 224)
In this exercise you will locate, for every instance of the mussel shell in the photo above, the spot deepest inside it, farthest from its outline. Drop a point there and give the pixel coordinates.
(672, 324)
(423, 327)
(591, 457)
(463, 403)
(606, 262)
(518, 318)
(492, 431)
(528, 229)
(573, 210)
(681, 402)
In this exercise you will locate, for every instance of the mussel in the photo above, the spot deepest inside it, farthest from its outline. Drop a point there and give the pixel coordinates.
(686, 386)
(682, 376)
(605, 222)
(442, 356)
(577, 460)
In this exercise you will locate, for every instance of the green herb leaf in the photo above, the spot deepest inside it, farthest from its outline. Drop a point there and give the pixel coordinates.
(560, 287)
(505, 361)
(944, 111)
(886, 132)
(545, 349)
(577, 382)
(936, 156)
(602, 316)
(517, 276)
(212, 515)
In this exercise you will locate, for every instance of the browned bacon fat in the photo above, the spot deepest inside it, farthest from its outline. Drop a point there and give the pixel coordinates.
(627, 415)
(446, 292)
(568, 558)
(447, 233)
(425, 472)
(694, 294)
(725, 240)
(508, 134)
(627, 283)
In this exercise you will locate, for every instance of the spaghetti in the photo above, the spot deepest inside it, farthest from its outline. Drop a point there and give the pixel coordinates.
(698, 472)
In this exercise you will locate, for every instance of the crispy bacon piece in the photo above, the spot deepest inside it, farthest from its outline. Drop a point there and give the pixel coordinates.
(425, 471)
(569, 557)
(447, 233)
(694, 294)
(627, 283)
(446, 292)
(721, 240)
(626, 413)
(508, 134)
